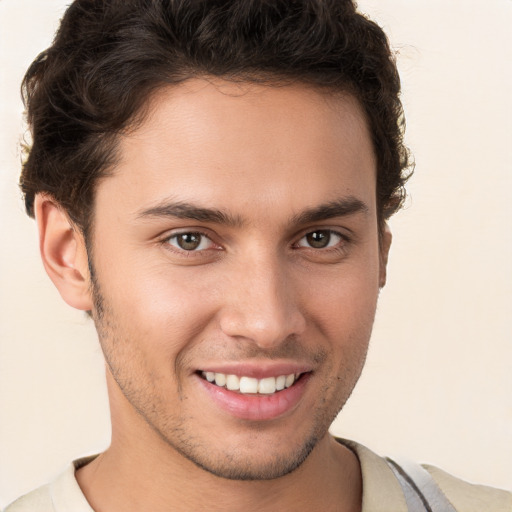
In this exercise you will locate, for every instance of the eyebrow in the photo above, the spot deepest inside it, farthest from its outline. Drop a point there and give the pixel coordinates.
(189, 211)
(338, 208)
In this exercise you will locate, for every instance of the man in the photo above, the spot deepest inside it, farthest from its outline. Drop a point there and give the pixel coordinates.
(211, 181)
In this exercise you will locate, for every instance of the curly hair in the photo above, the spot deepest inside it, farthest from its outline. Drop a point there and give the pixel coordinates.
(109, 56)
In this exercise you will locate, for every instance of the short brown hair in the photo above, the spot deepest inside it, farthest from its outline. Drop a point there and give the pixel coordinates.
(109, 56)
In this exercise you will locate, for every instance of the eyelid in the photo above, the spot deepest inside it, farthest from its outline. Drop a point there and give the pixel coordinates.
(164, 240)
(343, 236)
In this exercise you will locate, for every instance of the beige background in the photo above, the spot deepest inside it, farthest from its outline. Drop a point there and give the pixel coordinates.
(438, 383)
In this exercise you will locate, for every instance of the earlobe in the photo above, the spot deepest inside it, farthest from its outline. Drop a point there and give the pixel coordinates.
(385, 243)
(63, 252)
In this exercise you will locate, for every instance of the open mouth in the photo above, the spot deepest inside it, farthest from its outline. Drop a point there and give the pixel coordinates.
(250, 385)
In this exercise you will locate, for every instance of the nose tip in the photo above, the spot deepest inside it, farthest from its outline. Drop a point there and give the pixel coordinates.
(263, 309)
(265, 329)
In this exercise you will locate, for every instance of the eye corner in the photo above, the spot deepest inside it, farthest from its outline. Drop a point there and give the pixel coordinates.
(190, 243)
(321, 239)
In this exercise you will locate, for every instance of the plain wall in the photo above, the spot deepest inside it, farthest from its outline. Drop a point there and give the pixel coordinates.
(437, 386)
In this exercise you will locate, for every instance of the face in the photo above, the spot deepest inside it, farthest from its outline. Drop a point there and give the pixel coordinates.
(237, 267)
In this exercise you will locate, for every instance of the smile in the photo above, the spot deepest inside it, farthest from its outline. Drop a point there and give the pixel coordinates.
(256, 393)
(251, 385)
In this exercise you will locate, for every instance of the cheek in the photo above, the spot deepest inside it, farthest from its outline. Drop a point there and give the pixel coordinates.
(164, 309)
(343, 301)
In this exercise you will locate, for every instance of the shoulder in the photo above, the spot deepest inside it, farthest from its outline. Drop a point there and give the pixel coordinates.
(61, 495)
(469, 497)
(383, 489)
(38, 500)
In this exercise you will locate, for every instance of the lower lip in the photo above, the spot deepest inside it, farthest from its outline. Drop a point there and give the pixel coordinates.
(257, 407)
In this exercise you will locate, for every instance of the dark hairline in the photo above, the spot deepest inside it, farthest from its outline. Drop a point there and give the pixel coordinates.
(76, 119)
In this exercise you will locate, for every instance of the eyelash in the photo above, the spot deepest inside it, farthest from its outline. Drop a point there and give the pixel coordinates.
(343, 239)
(189, 253)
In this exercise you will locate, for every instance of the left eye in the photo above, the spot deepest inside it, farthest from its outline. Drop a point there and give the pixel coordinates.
(320, 239)
(190, 241)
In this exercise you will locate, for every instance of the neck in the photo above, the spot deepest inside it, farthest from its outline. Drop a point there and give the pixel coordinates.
(121, 479)
(140, 471)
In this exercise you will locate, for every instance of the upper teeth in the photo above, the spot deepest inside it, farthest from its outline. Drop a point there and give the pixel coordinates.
(244, 384)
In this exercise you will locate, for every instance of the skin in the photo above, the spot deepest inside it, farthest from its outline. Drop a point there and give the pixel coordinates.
(254, 294)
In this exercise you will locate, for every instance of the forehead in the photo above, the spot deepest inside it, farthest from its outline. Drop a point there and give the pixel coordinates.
(215, 142)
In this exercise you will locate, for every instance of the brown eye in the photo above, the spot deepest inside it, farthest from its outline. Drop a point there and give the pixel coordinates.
(320, 239)
(190, 241)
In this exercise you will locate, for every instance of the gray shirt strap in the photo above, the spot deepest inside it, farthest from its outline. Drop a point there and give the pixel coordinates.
(422, 494)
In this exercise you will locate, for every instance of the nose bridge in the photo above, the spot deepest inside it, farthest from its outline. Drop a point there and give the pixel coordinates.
(261, 304)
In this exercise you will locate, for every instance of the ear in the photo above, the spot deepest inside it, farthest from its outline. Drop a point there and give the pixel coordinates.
(63, 252)
(385, 243)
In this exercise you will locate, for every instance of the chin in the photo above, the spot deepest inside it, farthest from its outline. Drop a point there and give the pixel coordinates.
(246, 467)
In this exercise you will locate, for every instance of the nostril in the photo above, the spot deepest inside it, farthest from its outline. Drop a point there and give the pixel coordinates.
(264, 328)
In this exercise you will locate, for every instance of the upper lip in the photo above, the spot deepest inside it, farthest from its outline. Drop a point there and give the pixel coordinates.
(258, 369)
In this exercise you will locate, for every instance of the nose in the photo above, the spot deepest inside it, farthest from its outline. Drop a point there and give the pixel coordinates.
(261, 304)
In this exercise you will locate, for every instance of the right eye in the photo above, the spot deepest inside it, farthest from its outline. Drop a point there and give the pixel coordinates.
(190, 242)
(321, 239)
